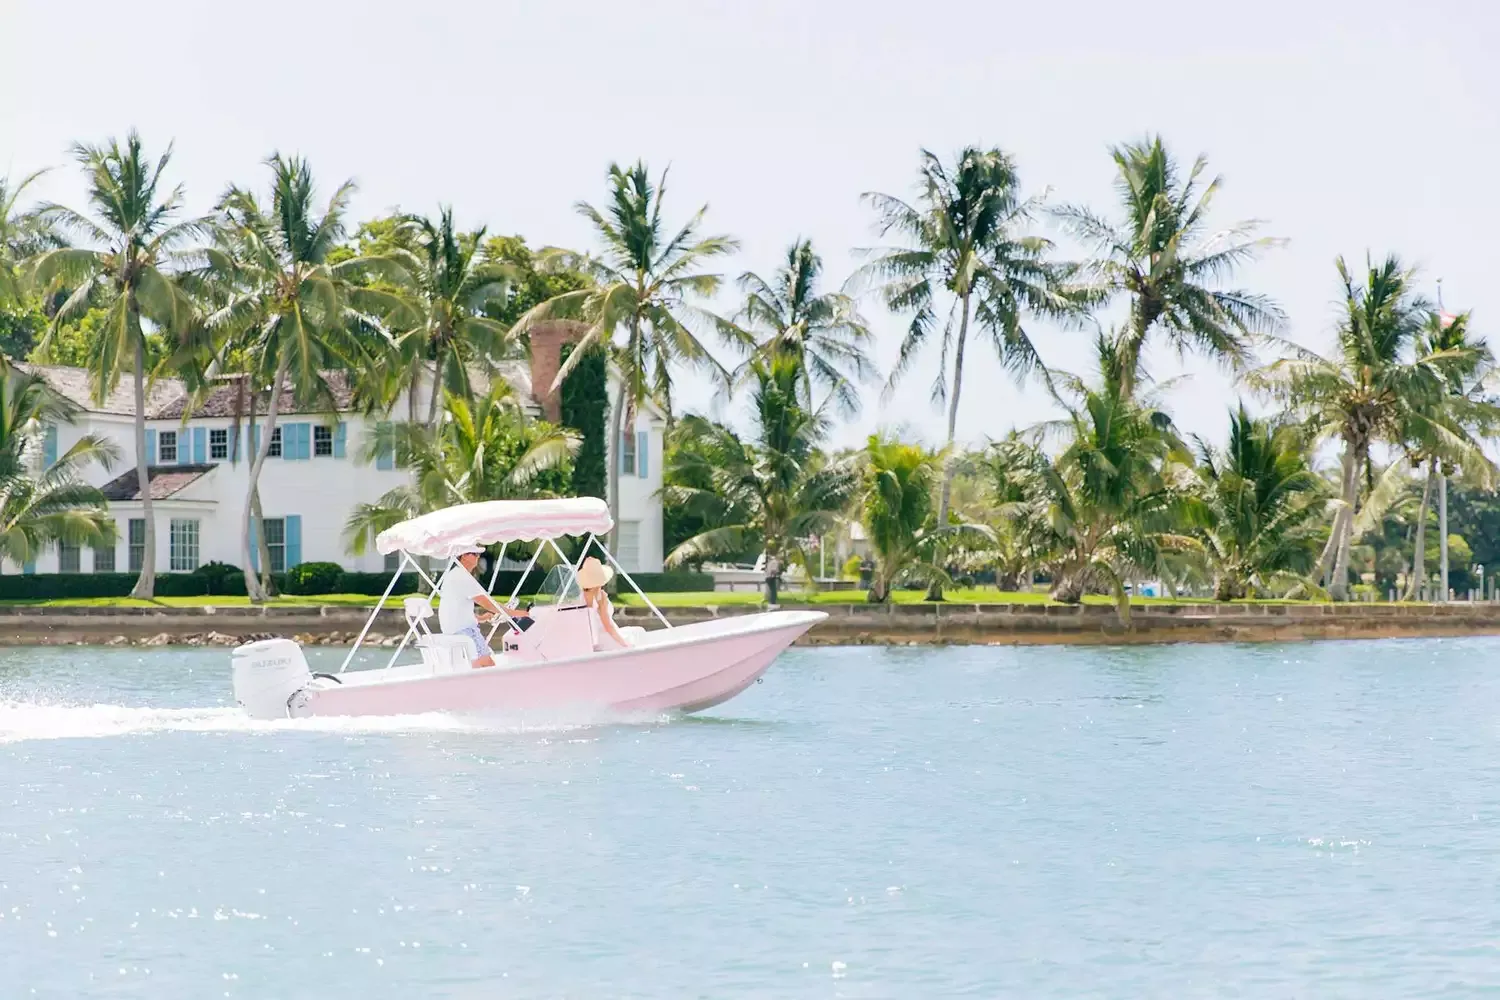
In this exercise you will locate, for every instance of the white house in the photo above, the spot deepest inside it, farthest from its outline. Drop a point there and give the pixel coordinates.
(309, 486)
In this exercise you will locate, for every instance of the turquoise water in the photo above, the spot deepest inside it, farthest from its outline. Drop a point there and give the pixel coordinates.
(1316, 820)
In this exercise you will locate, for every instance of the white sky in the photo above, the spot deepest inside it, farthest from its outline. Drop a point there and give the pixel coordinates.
(1345, 125)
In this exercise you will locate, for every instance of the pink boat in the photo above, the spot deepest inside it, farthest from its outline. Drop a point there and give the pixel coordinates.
(551, 668)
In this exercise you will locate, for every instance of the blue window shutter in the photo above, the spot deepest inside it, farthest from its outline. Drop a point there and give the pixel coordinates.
(184, 447)
(255, 444)
(340, 436)
(200, 445)
(642, 447)
(384, 459)
(304, 442)
(150, 447)
(29, 568)
(293, 540)
(49, 447)
(233, 434)
(254, 545)
(291, 442)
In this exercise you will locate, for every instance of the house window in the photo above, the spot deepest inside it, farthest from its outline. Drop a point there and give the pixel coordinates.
(167, 447)
(137, 543)
(275, 451)
(218, 443)
(322, 441)
(67, 558)
(392, 561)
(183, 551)
(104, 559)
(628, 545)
(627, 453)
(276, 542)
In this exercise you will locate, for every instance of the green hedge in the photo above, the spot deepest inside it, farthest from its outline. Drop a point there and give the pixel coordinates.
(47, 586)
(672, 583)
(374, 584)
(311, 578)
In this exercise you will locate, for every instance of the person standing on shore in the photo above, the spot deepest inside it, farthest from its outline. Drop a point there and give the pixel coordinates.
(773, 579)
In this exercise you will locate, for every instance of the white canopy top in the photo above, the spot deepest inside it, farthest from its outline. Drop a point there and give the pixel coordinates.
(444, 533)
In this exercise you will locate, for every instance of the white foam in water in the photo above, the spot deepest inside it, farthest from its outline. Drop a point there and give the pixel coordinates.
(24, 720)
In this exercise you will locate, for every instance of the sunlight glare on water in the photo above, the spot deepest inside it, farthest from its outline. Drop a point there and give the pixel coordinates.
(1301, 820)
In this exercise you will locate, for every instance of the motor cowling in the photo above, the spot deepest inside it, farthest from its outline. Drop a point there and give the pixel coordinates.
(267, 674)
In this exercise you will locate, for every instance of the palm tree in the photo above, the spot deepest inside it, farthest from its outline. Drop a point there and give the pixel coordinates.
(283, 313)
(1114, 496)
(998, 478)
(822, 333)
(1256, 506)
(23, 234)
(1381, 384)
(135, 239)
(898, 485)
(964, 244)
(1162, 256)
(453, 285)
(483, 449)
(769, 494)
(1470, 411)
(642, 282)
(41, 505)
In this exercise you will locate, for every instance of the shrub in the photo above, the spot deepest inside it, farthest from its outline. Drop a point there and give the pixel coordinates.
(218, 577)
(851, 568)
(374, 584)
(313, 578)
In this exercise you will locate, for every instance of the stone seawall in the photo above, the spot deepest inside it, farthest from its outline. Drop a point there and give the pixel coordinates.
(853, 624)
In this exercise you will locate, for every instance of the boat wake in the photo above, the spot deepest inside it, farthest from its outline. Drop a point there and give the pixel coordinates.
(21, 721)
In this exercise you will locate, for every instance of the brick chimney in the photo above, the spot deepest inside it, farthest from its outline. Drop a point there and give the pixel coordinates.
(547, 340)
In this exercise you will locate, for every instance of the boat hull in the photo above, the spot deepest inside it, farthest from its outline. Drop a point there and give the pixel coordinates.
(670, 671)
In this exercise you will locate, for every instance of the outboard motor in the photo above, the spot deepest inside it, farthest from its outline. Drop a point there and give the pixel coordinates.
(267, 675)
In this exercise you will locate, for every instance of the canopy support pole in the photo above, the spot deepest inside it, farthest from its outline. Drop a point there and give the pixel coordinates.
(634, 586)
(524, 574)
(495, 570)
(373, 614)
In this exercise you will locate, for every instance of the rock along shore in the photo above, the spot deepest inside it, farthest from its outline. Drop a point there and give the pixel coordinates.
(854, 624)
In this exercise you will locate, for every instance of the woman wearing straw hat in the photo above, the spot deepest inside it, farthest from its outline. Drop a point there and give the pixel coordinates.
(592, 577)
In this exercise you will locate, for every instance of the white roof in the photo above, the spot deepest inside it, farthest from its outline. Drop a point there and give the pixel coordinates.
(443, 533)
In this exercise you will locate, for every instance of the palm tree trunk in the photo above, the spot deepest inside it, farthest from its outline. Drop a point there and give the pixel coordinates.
(614, 456)
(945, 494)
(145, 583)
(1338, 586)
(252, 581)
(437, 381)
(1419, 555)
(263, 548)
(1443, 535)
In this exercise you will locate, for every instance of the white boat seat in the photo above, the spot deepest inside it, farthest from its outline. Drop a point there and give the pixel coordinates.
(446, 653)
(418, 609)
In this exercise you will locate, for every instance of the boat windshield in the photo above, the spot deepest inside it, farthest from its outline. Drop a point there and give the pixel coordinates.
(559, 588)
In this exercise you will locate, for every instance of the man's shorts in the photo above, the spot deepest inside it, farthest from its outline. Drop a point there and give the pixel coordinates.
(480, 643)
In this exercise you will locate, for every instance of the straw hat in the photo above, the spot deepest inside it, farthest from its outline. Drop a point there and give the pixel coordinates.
(593, 574)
